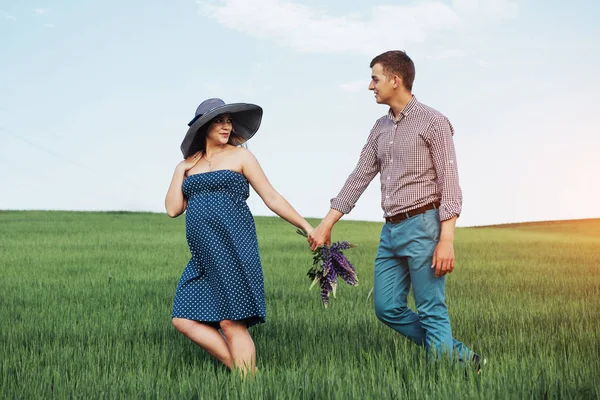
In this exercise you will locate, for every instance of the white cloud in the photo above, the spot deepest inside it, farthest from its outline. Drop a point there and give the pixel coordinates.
(486, 8)
(355, 86)
(50, 25)
(40, 11)
(7, 15)
(314, 30)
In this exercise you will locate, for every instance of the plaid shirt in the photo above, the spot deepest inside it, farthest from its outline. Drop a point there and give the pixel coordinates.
(416, 158)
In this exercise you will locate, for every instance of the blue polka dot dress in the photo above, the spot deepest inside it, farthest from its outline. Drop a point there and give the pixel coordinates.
(223, 280)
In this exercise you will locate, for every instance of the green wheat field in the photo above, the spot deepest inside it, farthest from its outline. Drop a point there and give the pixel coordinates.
(85, 302)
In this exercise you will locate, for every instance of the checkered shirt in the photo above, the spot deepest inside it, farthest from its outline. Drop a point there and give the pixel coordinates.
(417, 161)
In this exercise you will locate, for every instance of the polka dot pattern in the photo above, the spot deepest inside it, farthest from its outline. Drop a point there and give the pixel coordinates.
(223, 280)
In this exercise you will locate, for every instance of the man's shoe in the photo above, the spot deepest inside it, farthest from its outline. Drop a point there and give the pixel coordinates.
(479, 362)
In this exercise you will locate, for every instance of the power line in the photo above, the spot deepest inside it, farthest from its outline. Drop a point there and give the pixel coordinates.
(50, 152)
(68, 160)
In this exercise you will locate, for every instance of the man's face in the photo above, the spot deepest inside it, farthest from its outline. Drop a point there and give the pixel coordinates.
(381, 85)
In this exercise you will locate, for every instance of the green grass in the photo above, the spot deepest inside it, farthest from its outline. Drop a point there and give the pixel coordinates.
(85, 302)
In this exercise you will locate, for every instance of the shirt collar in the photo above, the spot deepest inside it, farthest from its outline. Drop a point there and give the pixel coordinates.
(412, 104)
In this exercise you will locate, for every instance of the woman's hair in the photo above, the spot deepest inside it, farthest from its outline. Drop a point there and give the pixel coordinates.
(199, 143)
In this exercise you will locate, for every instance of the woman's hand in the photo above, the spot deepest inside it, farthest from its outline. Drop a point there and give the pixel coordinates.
(175, 202)
(308, 229)
(189, 162)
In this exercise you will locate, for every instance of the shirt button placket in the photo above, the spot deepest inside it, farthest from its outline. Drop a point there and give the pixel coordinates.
(388, 189)
(392, 142)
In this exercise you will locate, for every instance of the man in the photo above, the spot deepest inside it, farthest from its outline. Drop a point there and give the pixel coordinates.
(412, 148)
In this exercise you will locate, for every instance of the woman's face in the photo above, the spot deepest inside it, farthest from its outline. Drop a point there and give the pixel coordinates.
(220, 129)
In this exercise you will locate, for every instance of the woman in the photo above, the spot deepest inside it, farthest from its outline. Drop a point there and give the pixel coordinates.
(222, 285)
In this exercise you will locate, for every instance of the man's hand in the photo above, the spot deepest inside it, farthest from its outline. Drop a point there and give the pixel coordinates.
(320, 235)
(443, 258)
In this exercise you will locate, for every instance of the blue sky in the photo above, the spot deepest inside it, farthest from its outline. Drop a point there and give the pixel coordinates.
(95, 97)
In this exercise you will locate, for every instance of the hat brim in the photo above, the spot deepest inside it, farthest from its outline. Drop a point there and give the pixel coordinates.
(246, 121)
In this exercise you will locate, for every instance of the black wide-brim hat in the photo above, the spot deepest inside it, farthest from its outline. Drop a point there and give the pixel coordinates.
(246, 121)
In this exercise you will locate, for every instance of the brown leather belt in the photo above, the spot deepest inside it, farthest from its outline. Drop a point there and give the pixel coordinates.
(394, 219)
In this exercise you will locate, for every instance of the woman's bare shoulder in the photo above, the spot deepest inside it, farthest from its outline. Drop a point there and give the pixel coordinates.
(241, 152)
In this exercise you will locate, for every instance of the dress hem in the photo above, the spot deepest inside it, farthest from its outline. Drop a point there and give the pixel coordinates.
(250, 321)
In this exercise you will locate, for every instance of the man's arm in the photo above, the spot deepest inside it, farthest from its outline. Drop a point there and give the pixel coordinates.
(444, 160)
(364, 172)
(443, 154)
(443, 256)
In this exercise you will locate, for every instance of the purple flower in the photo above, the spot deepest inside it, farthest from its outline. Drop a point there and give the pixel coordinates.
(329, 263)
(344, 269)
(338, 246)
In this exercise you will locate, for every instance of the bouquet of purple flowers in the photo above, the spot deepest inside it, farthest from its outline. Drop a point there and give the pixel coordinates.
(329, 263)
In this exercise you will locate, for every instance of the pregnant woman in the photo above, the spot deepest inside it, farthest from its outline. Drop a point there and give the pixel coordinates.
(221, 291)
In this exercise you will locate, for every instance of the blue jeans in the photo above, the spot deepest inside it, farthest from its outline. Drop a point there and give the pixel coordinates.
(404, 257)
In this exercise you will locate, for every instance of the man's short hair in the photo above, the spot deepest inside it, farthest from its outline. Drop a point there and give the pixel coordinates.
(397, 62)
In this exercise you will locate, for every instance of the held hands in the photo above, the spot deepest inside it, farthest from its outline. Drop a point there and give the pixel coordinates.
(320, 235)
(443, 258)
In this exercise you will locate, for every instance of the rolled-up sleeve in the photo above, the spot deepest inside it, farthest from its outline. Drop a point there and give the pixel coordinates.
(364, 172)
(441, 145)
